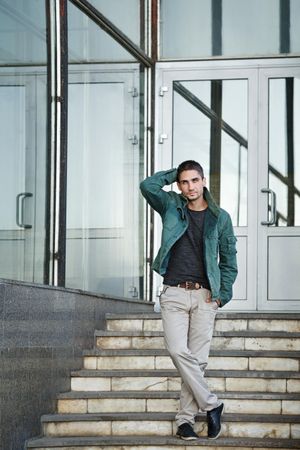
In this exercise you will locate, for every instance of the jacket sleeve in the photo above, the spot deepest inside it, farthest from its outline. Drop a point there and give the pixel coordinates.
(152, 189)
(227, 261)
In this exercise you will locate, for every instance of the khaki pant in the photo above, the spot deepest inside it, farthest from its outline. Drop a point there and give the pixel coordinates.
(188, 323)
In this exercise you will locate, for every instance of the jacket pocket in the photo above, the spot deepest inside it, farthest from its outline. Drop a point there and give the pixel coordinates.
(231, 244)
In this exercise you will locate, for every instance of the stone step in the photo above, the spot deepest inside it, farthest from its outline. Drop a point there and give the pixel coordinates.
(163, 352)
(141, 401)
(232, 340)
(163, 424)
(224, 322)
(160, 443)
(168, 380)
(243, 361)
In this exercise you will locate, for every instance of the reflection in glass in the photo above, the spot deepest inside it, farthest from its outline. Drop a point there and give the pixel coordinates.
(192, 22)
(89, 43)
(22, 32)
(210, 126)
(250, 28)
(23, 131)
(295, 35)
(284, 148)
(231, 28)
(105, 165)
(127, 15)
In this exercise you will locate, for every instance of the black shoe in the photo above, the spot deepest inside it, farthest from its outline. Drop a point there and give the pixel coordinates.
(186, 432)
(214, 422)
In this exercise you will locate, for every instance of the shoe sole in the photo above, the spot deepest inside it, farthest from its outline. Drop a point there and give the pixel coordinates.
(215, 437)
(188, 438)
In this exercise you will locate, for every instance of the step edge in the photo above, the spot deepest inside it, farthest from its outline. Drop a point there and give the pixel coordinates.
(173, 373)
(163, 352)
(174, 395)
(242, 333)
(158, 416)
(162, 440)
(221, 315)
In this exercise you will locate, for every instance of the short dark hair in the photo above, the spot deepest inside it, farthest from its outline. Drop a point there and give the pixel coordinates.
(190, 165)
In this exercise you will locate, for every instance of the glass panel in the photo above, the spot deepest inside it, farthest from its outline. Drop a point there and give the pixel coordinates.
(192, 22)
(256, 24)
(23, 131)
(295, 34)
(88, 43)
(105, 226)
(127, 15)
(284, 148)
(233, 28)
(210, 126)
(22, 32)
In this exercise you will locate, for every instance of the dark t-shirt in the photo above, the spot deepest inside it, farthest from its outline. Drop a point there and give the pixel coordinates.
(186, 261)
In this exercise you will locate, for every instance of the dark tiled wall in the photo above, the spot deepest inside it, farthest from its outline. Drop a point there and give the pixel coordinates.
(43, 331)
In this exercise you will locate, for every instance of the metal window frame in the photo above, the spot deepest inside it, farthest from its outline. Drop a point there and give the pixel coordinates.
(57, 108)
(57, 53)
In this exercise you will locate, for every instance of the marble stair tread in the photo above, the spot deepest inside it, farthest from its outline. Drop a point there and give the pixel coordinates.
(221, 315)
(152, 441)
(174, 373)
(161, 416)
(162, 352)
(242, 333)
(174, 395)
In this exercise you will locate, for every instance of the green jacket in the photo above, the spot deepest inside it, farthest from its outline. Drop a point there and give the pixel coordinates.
(218, 236)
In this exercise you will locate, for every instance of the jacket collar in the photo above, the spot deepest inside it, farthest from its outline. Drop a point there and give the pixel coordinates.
(212, 206)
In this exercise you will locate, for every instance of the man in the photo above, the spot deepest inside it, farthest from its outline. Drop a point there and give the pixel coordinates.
(197, 259)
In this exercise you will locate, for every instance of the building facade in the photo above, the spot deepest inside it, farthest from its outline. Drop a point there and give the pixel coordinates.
(95, 95)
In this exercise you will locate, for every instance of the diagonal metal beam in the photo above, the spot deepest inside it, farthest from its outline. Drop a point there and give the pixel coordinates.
(113, 31)
(193, 100)
(201, 106)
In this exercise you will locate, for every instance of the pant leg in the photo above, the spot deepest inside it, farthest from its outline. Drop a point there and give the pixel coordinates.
(202, 317)
(177, 311)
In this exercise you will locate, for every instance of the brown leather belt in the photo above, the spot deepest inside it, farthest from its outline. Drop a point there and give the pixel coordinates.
(190, 285)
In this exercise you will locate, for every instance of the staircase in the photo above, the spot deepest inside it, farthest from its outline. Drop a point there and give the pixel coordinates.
(126, 395)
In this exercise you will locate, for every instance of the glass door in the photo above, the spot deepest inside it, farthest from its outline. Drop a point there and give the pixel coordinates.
(105, 165)
(241, 124)
(210, 116)
(22, 175)
(279, 190)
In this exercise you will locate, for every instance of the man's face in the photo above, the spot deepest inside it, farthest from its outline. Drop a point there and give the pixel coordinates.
(191, 184)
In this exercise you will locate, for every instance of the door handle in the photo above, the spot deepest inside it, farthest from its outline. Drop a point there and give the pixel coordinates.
(20, 209)
(273, 219)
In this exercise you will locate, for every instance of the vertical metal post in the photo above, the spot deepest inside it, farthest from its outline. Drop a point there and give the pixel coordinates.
(47, 252)
(284, 26)
(58, 139)
(151, 161)
(143, 16)
(154, 30)
(289, 82)
(215, 140)
(216, 14)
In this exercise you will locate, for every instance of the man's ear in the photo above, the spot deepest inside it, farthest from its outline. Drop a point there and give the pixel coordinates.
(204, 181)
(178, 185)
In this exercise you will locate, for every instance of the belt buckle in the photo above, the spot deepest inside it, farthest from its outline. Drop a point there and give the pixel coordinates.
(189, 285)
